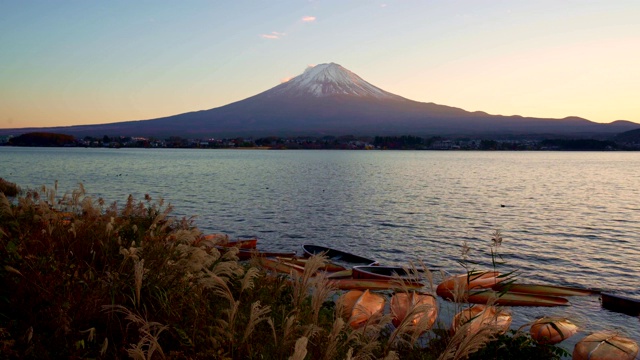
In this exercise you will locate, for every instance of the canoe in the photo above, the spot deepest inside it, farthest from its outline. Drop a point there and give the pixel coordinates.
(372, 284)
(552, 331)
(549, 290)
(480, 316)
(383, 273)
(467, 282)
(360, 306)
(605, 345)
(246, 254)
(405, 306)
(621, 304)
(336, 255)
(280, 266)
(328, 267)
(223, 240)
(515, 299)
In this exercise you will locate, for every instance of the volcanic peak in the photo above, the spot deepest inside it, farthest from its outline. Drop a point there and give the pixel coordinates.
(330, 79)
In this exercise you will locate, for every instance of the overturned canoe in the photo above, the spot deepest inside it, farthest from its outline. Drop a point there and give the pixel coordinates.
(358, 307)
(605, 345)
(336, 255)
(417, 308)
(552, 331)
(372, 284)
(480, 316)
(384, 273)
(549, 290)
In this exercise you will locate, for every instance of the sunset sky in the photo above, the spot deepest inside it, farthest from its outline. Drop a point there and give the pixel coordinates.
(89, 62)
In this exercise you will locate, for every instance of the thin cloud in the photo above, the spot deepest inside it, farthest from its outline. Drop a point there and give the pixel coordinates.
(282, 81)
(309, 19)
(273, 35)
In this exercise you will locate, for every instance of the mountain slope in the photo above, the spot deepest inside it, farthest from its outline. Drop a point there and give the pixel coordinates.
(329, 99)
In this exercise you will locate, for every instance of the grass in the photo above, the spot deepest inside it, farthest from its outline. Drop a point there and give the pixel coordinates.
(83, 279)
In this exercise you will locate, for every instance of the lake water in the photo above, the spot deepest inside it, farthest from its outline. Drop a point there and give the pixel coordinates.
(567, 218)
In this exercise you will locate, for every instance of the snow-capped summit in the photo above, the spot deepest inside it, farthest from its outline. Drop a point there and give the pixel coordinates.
(330, 79)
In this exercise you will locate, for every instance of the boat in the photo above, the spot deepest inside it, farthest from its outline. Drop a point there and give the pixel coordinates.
(621, 304)
(223, 240)
(550, 290)
(336, 255)
(372, 284)
(360, 306)
(328, 267)
(384, 273)
(460, 285)
(604, 345)
(407, 305)
(246, 254)
(480, 316)
(280, 266)
(514, 299)
(552, 331)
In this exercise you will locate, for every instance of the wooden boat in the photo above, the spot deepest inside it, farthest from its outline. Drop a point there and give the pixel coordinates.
(372, 284)
(515, 299)
(383, 273)
(621, 304)
(359, 306)
(552, 331)
(479, 316)
(280, 266)
(549, 290)
(336, 255)
(246, 254)
(466, 282)
(405, 304)
(605, 345)
(328, 267)
(223, 240)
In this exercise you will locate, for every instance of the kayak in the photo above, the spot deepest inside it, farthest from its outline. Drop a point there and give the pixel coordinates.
(336, 255)
(384, 273)
(550, 290)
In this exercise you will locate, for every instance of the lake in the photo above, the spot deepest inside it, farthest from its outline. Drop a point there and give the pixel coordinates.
(567, 218)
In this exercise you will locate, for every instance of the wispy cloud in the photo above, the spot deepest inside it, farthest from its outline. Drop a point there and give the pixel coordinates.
(309, 19)
(273, 35)
(282, 81)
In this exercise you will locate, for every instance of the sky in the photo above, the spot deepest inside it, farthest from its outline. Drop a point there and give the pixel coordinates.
(91, 62)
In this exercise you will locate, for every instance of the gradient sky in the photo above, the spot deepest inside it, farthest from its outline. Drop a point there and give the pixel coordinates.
(88, 62)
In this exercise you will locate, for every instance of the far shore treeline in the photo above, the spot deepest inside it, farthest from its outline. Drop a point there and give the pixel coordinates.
(629, 140)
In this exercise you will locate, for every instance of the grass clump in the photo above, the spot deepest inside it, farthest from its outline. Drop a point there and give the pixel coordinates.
(83, 279)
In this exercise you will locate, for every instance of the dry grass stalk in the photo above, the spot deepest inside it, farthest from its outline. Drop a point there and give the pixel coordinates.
(256, 316)
(300, 349)
(148, 344)
(333, 339)
(301, 283)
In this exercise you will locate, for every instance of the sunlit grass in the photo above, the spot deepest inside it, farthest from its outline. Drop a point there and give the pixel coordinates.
(84, 279)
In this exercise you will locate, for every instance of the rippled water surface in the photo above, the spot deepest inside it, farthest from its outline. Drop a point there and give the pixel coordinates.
(567, 218)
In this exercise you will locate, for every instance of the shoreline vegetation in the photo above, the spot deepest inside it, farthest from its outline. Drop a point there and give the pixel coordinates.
(629, 141)
(84, 279)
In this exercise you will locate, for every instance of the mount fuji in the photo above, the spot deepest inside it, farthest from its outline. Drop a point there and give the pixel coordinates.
(328, 99)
